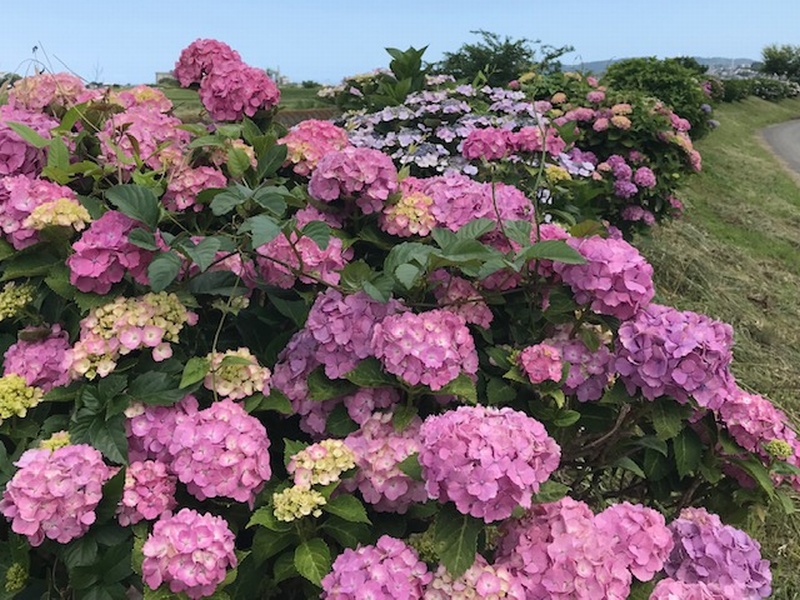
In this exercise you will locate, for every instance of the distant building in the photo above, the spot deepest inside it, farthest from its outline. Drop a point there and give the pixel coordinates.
(162, 76)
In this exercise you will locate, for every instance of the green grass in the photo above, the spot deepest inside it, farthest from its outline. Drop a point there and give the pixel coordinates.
(736, 257)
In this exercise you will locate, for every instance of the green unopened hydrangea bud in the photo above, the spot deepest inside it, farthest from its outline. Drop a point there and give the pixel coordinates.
(14, 298)
(16, 576)
(296, 502)
(16, 396)
(425, 545)
(780, 449)
(58, 440)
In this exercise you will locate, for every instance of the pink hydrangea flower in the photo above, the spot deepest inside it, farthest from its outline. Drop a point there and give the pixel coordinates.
(149, 492)
(310, 140)
(644, 177)
(190, 552)
(541, 362)
(19, 196)
(389, 570)
(529, 140)
(589, 372)
(18, 157)
(278, 263)
(45, 90)
(461, 297)
(185, 184)
(489, 144)
(144, 96)
(671, 589)
(221, 451)
(595, 96)
(432, 348)
(233, 89)
(379, 448)
(486, 460)
(39, 360)
(54, 494)
(481, 581)
(199, 58)
(150, 428)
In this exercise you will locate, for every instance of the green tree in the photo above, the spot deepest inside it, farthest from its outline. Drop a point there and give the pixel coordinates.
(499, 60)
(783, 61)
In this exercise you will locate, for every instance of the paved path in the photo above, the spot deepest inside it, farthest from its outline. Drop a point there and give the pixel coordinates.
(784, 140)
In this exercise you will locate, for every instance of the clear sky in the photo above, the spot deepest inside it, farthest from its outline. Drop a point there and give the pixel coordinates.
(127, 42)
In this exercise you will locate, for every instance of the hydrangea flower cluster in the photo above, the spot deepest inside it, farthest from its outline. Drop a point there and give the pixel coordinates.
(221, 451)
(589, 371)
(198, 59)
(16, 396)
(461, 297)
(38, 356)
(18, 157)
(410, 215)
(615, 280)
(236, 374)
(233, 89)
(637, 533)
(103, 255)
(481, 581)
(367, 175)
(149, 428)
(144, 96)
(190, 552)
(149, 492)
(432, 348)
(379, 448)
(486, 460)
(672, 589)
(19, 197)
(386, 571)
(14, 298)
(124, 325)
(45, 90)
(321, 463)
(297, 502)
(186, 183)
(557, 552)
(58, 440)
(54, 494)
(663, 351)
(541, 362)
(487, 144)
(342, 326)
(310, 140)
(63, 212)
(710, 552)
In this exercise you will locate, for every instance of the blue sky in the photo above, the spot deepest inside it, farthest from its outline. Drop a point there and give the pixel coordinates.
(127, 42)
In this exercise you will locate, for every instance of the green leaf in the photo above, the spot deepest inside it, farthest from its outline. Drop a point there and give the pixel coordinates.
(163, 270)
(666, 419)
(402, 416)
(443, 237)
(411, 467)
(519, 231)
(369, 373)
(348, 534)
(250, 131)
(627, 464)
(28, 134)
(566, 418)
(456, 538)
(58, 155)
(265, 517)
(463, 387)
(284, 567)
(321, 388)
(688, 451)
(267, 544)
(339, 423)
(312, 559)
(272, 199)
(195, 370)
(204, 253)
(263, 229)
(379, 288)
(476, 228)
(655, 465)
(348, 508)
(550, 491)
(759, 473)
(143, 239)
(155, 387)
(271, 161)
(407, 274)
(318, 231)
(238, 162)
(292, 447)
(275, 401)
(296, 310)
(652, 442)
(498, 392)
(109, 437)
(226, 201)
(555, 250)
(136, 201)
(81, 552)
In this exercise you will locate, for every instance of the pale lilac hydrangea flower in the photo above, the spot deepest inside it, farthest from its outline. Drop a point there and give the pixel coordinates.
(486, 460)
(54, 494)
(149, 492)
(389, 570)
(541, 362)
(190, 552)
(39, 360)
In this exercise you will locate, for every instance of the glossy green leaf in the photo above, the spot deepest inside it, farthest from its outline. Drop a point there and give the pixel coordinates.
(138, 202)
(312, 559)
(347, 507)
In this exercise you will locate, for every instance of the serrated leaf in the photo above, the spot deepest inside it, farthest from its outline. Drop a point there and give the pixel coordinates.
(349, 535)
(272, 199)
(655, 465)
(463, 387)
(296, 310)
(263, 229)
(28, 134)
(628, 464)
(667, 419)
(318, 231)
(275, 401)
(499, 392)
(312, 559)
(58, 155)
(519, 231)
(379, 288)
(407, 274)
(688, 451)
(157, 388)
(476, 228)
(654, 443)
(267, 544)
(143, 239)
(348, 508)
(136, 201)
(369, 373)
(204, 253)
(226, 201)
(163, 270)
(81, 552)
(238, 162)
(566, 418)
(443, 237)
(411, 467)
(759, 473)
(456, 539)
(195, 370)
(555, 250)
(271, 161)
(402, 416)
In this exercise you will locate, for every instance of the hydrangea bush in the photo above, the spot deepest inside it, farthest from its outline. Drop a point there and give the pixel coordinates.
(271, 365)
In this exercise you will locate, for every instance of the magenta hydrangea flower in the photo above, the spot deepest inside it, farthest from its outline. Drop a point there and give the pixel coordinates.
(458, 295)
(149, 492)
(638, 533)
(190, 552)
(278, 263)
(18, 157)
(481, 581)
(233, 89)
(666, 352)
(486, 460)
(558, 553)
(671, 589)
(529, 140)
(432, 348)
(490, 143)
(625, 188)
(150, 428)
(199, 58)
(185, 184)
(343, 326)
(103, 255)
(19, 196)
(310, 140)
(365, 174)
(710, 552)
(54, 494)
(221, 451)
(541, 362)
(595, 96)
(45, 90)
(590, 371)
(379, 448)
(389, 570)
(39, 357)
(615, 280)
(644, 177)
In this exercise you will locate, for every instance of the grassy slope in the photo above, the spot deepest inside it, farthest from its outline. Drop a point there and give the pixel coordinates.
(736, 256)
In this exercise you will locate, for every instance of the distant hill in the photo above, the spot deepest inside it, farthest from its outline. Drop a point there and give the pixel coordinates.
(599, 66)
